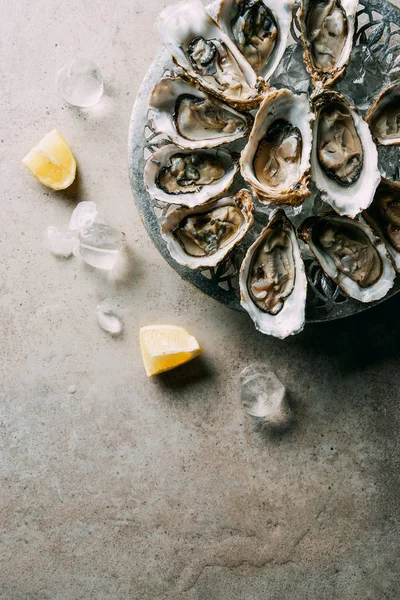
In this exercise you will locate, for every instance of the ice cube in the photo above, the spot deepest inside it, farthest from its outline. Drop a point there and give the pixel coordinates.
(61, 244)
(100, 246)
(363, 78)
(291, 72)
(389, 161)
(109, 321)
(263, 396)
(83, 216)
(80, 83)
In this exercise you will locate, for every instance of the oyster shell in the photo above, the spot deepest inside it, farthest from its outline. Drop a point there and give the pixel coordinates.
(189, 177)
(384, 216)
(204, 236)
(384, 116)
(272, 280)
(259, 29)
(276, 159)
(350, 254)
(327, 32)
(344, 159)
(207, 55)
(192, 118)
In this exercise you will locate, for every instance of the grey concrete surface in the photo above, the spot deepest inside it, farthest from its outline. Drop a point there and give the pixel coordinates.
(137, 489)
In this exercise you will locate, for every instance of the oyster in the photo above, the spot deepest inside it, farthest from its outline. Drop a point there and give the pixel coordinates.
(189, 177)
(203, 237)
(193, 119)
(344, 158)
(384, 116)
(350, 254)
(276, 159)
(272, 280)
(384, 216)
(259, 28)
(207, 55)
(327, 32)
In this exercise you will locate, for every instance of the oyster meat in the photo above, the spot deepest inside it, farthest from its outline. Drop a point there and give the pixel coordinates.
(259, 28)
(207, 55)
(384, 216)
(272, 280)
(193, 119)
(327, 31)
(384, 116)
(189, 177)
(350, 254)
(344, 158)
(203, 237)
(276, 159)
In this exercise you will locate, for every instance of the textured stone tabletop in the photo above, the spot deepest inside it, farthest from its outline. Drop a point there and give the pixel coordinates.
(130, 489)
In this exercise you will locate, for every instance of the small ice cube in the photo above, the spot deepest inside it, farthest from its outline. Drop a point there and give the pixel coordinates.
(80, 83)
(109, 321)
(84, 215)
(100, 245)
(61, 244)
(364, 76)
(291, 72)
(263, 396)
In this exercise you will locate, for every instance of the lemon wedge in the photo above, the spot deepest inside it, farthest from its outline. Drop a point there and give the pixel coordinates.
(52, 161)
(165, 347)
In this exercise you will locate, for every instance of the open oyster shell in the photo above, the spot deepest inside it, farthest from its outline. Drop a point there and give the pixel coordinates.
(384, 216)
(207, 55)
(327, 32)
(273, 283)
(192, 118)
(203, 236)
(384, 116)
(259, 29)
(189, 177)
(276, 159)
(344, 158)
(350, 254)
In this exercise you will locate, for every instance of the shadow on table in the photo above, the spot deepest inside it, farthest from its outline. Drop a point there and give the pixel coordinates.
(356, 341)
(189, 374)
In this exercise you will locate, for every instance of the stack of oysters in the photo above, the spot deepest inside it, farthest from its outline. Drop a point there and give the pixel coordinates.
(221, 94)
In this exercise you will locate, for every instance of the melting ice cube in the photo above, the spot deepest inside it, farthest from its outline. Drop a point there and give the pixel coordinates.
(80, 83)
(100, 245)
(84, 215)
(61, 244)
(109, 321)
(263, 396)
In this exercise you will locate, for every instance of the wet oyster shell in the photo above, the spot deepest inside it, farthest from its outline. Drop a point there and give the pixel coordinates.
(241, 203)
(161, 159)
(281, 106)
(182, 25)
(164, 102)
(384, 218)
(384, 115)
(291, 317)
(336, 37)
(371, 293)
(265, 61)
(346, 200)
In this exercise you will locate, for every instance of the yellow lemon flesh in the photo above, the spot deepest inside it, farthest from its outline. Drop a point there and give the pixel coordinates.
(52, 161)
(165, 347)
